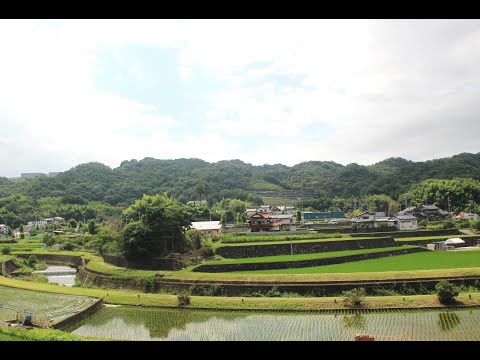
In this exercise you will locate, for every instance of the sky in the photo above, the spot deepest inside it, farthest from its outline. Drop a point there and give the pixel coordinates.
(262, 91)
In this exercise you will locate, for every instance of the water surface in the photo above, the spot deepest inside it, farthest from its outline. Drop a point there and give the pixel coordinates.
(132, 323)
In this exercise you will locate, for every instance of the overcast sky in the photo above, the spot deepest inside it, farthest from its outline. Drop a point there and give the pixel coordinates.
(262, 91)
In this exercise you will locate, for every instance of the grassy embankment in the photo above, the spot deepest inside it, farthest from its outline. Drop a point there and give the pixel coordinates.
(124, 297)
(40, 335)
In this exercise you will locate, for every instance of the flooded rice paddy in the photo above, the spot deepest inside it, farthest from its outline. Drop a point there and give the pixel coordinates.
(133, 323)
(61, 275)
(56, 306)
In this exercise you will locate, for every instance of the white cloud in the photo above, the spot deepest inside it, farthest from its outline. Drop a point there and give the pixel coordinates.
(382, 88)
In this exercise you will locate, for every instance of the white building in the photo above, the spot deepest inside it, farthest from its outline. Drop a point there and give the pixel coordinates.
(468, 216)
(210, 226)
(17, 235)
(406, 222)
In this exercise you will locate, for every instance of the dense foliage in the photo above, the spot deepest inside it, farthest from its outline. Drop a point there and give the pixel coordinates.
(446, 292)
(159, 228)
(194, 179)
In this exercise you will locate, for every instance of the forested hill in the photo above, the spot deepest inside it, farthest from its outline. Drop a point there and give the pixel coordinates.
(233, 178)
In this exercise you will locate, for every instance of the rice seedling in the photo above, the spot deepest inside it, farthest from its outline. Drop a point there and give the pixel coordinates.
(129, 323)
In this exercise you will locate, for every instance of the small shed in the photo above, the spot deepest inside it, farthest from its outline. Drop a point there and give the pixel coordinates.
(436, 246)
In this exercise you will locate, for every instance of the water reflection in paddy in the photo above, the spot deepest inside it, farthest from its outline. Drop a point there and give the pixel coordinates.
(132, 323)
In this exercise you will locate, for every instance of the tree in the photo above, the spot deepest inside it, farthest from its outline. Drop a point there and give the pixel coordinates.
(446, 292)
(203, 189)
(223, 218)
(163, 219)
(21, 228)
(136, 241)
(298, 215)
(91, 227)
(72, 223)
(48, 240)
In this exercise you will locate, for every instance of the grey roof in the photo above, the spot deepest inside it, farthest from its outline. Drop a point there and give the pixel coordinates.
(429, 207)
(380, 214)
(281, 216)
(405, 217)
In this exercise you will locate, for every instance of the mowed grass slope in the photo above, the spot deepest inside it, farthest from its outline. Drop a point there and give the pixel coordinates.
(419, 261)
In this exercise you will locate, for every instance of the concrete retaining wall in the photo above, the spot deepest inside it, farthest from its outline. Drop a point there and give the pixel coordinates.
(247, 251)
(302, 263)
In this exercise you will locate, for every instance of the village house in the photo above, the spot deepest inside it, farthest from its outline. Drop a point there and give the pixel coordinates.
(426, 212)
(467, 216)
(406, 222)
(287, 221)
(372, 220)
(260, 222)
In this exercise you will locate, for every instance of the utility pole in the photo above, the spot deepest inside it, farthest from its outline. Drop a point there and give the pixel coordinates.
(449, 205)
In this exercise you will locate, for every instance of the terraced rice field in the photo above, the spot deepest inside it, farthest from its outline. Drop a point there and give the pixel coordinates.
(418, 261)
(313, 256)
(129, 323)
(56, 306)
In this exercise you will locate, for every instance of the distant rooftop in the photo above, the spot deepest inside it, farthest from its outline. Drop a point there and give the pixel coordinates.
(206, 225)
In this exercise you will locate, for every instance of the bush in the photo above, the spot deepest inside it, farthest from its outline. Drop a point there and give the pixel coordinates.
(273, 292)
(31, 261)
(6, 250)
(446, 292)
(33, 277)
(206, 251)
(354, 297)
(183, 299)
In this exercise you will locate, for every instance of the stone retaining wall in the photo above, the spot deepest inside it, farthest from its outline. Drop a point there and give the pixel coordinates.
(7, 267)
(57, 259)
(211, 268)
(311, 288)
(470, 241)
(115, 282)
(247, 251)
(148, 264)
(71, 320)
(409, 233)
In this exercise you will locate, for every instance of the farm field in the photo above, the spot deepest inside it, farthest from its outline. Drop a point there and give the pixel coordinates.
(419, 261)
(299, 257)
(227, 238)
(55, 306)
(128, 323)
